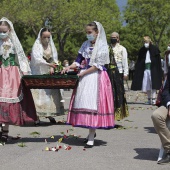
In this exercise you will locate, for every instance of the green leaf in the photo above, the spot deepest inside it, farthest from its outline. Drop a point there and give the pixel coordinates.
(22, 144)
(35, 133)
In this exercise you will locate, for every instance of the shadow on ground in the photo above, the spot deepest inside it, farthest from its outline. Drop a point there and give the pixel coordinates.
(72, 141)
(150, 129)
(150, 154)
(44, 124)
(142, 103)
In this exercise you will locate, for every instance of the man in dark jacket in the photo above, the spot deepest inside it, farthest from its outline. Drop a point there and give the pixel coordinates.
(148, 71)
(159, 118)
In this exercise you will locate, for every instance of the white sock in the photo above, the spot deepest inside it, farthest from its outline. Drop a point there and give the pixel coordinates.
(91, 137)
(5, 128)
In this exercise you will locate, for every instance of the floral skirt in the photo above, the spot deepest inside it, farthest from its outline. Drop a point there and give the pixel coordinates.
(120, 104)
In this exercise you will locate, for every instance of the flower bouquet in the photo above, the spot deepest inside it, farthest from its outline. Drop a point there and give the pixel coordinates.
(58, 68)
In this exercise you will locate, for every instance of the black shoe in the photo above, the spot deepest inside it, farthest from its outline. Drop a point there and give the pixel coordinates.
(4, 138)
(51, 119)
(88, 146)
(37, 123)
(86, 140)
(165, 160)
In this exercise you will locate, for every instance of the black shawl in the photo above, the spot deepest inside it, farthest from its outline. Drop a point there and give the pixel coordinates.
(156, 70)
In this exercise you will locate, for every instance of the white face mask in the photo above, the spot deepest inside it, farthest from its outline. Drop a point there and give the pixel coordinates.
(66, 65)
(168, 48)
(90, 37)
(3, 35)
(146, 45)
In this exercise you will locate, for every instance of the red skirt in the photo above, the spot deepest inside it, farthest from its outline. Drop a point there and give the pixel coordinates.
(19, 113)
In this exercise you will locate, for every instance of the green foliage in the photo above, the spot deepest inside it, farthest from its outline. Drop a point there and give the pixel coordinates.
(146, 17)
(68, 19)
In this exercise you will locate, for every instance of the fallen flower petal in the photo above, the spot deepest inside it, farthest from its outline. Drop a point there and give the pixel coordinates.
(60, 140)
(47, 149)
(67, 147)
(65, 136)
(53, 149)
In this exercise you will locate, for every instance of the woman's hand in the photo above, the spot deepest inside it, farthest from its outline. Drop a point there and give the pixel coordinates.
(24, 73)
(51, 70)
(65, 70)
(52, 65)
(81, 74)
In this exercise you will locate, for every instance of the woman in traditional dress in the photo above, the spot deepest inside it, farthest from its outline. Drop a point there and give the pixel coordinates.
(117, 71)
(148, 71)
(92, 104)
(43, 61)
(16, 102)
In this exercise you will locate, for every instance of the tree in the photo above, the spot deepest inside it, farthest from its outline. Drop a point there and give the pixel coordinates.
(68, 18)
(147, 17)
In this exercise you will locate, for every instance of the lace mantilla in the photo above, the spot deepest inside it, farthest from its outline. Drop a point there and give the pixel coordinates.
(22, 59)
(87, 51)
(100, 54)
(38, 62)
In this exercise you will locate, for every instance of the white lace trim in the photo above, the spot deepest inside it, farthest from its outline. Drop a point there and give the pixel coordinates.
(12, 100)
(98, 66)
(102, 54)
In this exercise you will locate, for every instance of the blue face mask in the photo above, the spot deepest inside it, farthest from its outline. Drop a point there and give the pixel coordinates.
(90, 37)
(3, 35)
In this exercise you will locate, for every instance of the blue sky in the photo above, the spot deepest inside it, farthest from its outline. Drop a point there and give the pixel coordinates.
(121, 4)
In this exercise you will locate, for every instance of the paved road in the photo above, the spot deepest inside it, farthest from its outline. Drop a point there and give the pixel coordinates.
(133, 147)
